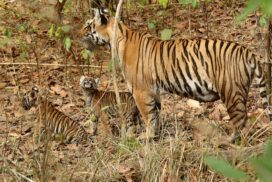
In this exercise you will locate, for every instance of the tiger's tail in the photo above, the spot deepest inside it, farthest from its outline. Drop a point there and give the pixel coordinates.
(260, 77)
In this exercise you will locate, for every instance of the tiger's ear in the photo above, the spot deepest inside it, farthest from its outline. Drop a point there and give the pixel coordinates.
(101, 16)
(96, 81)
(97, 16)
(81, 79)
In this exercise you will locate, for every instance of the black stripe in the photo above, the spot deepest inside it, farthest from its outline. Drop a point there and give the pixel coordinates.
(176, 79)
(187, 70)
(209, 55)
(187, 88)
(163, 66)
(120, 27)
(198, 89)
(174, 55)
(225, 51)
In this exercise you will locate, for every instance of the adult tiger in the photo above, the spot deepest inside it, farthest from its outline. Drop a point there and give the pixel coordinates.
(55, 120)
(206, 70)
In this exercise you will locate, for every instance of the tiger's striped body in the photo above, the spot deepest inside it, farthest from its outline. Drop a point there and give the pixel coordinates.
(104, 104)
(206, 70)
(54, 120)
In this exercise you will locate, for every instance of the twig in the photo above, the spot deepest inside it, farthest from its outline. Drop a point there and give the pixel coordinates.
(189, 9)
(77, 60)
(19, 174)
(59, 7)
(38, 66)
(45, 65)
(206, 17)
(268, 68)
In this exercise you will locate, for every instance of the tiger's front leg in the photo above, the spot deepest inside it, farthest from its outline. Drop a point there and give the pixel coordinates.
(149, 107)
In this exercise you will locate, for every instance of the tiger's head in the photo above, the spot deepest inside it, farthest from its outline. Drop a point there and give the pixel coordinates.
(30, 98)
(98, 30)
(88, 83)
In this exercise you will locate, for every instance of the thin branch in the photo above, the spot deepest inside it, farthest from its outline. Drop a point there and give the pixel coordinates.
(113, 57)
(268, 57)
(21, 175)
(49, 65)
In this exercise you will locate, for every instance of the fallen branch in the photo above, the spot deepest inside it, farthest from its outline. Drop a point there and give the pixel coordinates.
(45, 64)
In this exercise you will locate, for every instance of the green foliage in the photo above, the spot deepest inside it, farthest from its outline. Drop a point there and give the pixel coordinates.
(142, 2)
(85, 54)
(58, 33)
(166, 34)
(105, 108)
(23, 48)
(252, 5)
(67, 43)
(163, 3)
(93, 118)
(22, 27)
(110, 64)
(4, 41)
(51, 31)
(263, 164)
(151, 25)
(223, 167)
(7, 37)
(61, 33)
(128, 145)
(66, 28)
(7, 33)
(262, 21)
(128, 4)
(194, 3)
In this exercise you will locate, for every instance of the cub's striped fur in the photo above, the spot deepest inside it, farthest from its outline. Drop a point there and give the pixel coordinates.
(56, 121)
(206, 70)
(106, 101)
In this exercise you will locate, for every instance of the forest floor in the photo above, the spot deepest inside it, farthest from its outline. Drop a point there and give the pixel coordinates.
(191, 130)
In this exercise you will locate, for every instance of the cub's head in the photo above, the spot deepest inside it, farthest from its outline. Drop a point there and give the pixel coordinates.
(88, 83)
(30, 98)
(97, 31)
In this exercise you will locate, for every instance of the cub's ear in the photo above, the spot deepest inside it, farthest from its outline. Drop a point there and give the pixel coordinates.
(96, 81)
(81, 79)
(105, 11)
(35, 89)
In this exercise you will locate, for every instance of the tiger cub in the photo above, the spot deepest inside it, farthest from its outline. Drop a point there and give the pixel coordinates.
(104, 105)
(54, 120)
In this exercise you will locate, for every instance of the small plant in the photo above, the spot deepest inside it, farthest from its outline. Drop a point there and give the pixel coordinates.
(7, 37)
(128, 145)
(61, 33)
(85, 54)
(264, 5)
(261, 164)
(194, 3)
(166, 34)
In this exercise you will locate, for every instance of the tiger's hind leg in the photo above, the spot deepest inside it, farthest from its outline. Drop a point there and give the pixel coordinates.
(149, 106)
